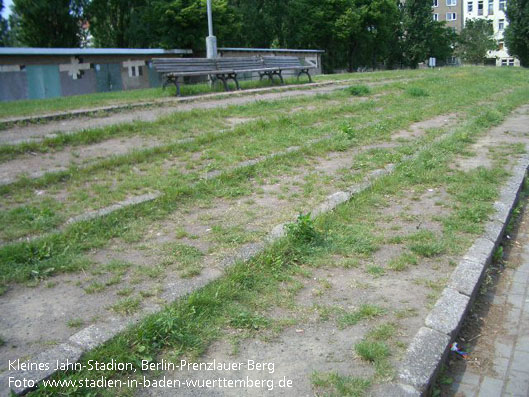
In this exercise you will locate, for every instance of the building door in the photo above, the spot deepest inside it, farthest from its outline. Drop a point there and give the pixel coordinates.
(108, 77)
(43, 81)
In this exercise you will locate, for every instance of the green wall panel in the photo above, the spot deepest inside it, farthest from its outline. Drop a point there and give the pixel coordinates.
(108, 77)
(43, 81)
(155, 79)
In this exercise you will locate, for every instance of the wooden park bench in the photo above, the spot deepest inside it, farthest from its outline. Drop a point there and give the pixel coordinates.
(225, 69)
(276, 66)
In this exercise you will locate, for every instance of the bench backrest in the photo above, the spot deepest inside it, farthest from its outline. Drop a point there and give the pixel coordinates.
(183, 65)
(281, 62)
(239, 63)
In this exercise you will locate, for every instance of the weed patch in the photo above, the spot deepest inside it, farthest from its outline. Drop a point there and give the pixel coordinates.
(417, 92)
(359, 90)
(335, 384)
(365, 312)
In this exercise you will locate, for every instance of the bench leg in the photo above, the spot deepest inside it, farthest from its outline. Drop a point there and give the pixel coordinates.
(280, 74)
(177, 84)
(270, 76)
(234, 78)
(224, 82)
(305, 71)
(167, 81)
(172, 80)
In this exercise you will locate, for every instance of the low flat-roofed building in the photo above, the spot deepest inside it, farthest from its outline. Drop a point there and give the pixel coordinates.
(36, 73)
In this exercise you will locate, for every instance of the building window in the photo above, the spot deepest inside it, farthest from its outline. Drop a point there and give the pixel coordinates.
(136, 71)
(435, 17)
(436, 3)
(470, 6)
(491, 7)
(511, 62)
(451, 16)
(502, 5)
(450, 3)
(501, 24)
(480, 7)
(500, 45)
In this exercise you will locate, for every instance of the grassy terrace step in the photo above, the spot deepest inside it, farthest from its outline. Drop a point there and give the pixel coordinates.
(46, 106)
(179, 120)
(222, 151)
(61, 251)
(187, 327)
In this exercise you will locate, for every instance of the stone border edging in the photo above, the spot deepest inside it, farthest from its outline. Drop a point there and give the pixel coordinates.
(13, 121)
(430, 346)
(9, 122)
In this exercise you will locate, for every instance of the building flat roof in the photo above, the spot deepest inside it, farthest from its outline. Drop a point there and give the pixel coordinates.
(89, 51)
(269, 50)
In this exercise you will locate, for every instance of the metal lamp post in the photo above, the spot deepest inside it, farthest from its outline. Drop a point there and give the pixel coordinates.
(211, 41)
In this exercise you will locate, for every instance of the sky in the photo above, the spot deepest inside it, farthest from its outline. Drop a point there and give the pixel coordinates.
(7, 8)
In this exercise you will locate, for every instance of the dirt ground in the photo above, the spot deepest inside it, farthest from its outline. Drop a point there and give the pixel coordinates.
(25, 315)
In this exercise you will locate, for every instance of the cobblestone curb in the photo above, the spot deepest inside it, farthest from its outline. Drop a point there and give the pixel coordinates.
(430, 345)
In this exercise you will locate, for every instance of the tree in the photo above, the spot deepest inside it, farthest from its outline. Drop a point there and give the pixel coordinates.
(368, 29)
(517, 33)
(114, 22)
(183, 23)
(4, 28)
(312, 24)
(475, 39)
(421, 33)
(47, 23)
(442, 41)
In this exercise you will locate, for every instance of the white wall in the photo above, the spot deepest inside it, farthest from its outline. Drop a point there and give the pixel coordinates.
(496, 16)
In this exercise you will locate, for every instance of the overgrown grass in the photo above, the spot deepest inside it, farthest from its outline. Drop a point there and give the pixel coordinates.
(365, 312)
(96, 100)
(358, 90)
(417, 92)
(340, 385)
(188, 326)
(51, 253)
(87, 101)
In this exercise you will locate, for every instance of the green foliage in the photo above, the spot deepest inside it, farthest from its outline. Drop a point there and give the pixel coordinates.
(127, 306)
(169, 24)
(372, 351)
(517, 32)
(423, 37)
(403, 261)
(303, 231)
(383, 332)
(246, 320)
(359, 90)
(498, 255)
(4, 28)
(349, 131)
(365, 312)
(416, 92)
(113, 23)
(341, 385)
(48, 23)
(476, 38)
(426, 243)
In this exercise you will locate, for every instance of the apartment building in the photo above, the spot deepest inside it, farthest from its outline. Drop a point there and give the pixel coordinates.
(493, 10)
(450, 11)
